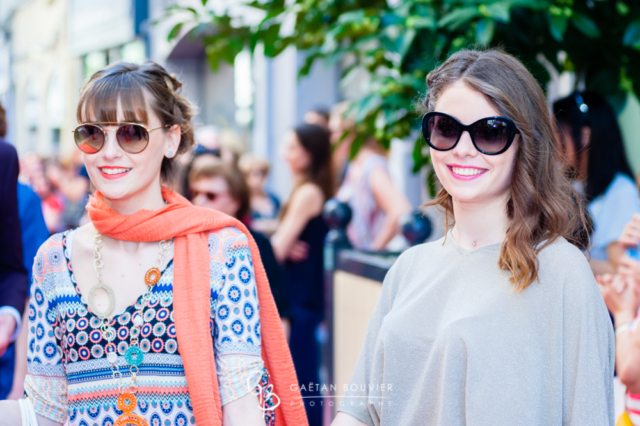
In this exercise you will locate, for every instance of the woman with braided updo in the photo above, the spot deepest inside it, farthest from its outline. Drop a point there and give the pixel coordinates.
(157, 312)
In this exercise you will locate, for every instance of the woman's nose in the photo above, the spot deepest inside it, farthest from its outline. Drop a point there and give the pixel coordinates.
(111, 148)
(465, 147)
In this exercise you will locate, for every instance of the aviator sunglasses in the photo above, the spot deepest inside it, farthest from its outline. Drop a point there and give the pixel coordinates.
(490, 136)
(132, 137)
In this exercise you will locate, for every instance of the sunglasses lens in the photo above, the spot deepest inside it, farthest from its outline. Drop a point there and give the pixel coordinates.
(441, 132)
(89, 138)
(491, 135)
(132, 138)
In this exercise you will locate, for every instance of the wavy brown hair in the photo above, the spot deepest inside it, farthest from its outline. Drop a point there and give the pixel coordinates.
(543, 206)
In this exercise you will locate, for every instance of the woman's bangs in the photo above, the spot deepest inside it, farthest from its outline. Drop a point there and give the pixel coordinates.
(99, 102)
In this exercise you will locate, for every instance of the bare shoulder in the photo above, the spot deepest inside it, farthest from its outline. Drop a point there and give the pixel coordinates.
(308, 198)
(308, 192)
(83, 239)
(84, 234)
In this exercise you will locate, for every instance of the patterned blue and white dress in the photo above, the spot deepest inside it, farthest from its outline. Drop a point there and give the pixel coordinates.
(69, 377)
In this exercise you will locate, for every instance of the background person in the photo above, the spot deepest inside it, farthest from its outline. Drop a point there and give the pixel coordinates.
(502, 318)
(53, 200)
(299, 244)
(318, 116)
(231, 146)
(265, 206)
(13, 276)
(593, 150)
(621, 294)
(222, 187)
(207, 146)
(376, 203)
(70, 179)
(33, 232)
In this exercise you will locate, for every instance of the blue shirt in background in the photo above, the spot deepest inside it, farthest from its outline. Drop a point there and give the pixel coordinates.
(610, 212)
(33, 230)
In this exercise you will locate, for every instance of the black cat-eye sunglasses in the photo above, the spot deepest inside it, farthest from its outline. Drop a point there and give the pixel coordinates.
(490, 135)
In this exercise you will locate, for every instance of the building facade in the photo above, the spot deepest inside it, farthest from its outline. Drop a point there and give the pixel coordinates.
(51, 48)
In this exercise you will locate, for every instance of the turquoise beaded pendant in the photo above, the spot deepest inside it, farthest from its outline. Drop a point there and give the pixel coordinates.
(134, 356)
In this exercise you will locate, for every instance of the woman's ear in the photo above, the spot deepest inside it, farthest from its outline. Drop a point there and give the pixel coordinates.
(172, 142)
(585, 136)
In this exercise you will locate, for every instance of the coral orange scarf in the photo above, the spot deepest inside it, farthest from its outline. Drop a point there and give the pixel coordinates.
(190, 226)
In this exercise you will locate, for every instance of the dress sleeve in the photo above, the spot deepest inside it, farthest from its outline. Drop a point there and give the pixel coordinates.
(588, 349)
(356, 400)
(236, 318)
(46, 380)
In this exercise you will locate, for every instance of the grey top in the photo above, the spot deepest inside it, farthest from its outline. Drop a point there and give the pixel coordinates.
(451, 343)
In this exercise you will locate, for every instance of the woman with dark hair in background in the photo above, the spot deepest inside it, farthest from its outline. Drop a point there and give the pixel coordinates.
(298, 242)
(593, 150)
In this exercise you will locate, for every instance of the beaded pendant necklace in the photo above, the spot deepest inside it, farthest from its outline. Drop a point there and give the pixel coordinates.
(127, 401)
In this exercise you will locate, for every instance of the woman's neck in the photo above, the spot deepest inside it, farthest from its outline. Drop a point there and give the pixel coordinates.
(366, 151)
(148, 199)
(257, 192)
(480, 224)
(300, 178)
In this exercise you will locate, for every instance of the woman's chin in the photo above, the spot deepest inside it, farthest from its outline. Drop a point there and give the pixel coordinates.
(114, 194)
(469, 195)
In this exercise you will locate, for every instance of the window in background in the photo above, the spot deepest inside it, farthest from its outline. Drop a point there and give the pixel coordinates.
(93, 61)
(243, 88)
(134, 52)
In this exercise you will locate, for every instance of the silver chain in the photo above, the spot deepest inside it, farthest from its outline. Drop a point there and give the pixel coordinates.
(98, 264)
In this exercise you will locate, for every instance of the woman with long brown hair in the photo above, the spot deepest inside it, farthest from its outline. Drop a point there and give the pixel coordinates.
(299, 242)
(156, 312)
(501, 321)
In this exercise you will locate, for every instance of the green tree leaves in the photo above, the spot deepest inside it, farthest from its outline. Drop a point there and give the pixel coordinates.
(389, 46)
(632, 35)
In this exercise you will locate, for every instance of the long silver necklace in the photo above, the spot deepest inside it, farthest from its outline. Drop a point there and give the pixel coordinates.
(127, 400)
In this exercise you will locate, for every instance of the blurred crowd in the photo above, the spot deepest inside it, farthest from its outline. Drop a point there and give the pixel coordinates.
(218, 174)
